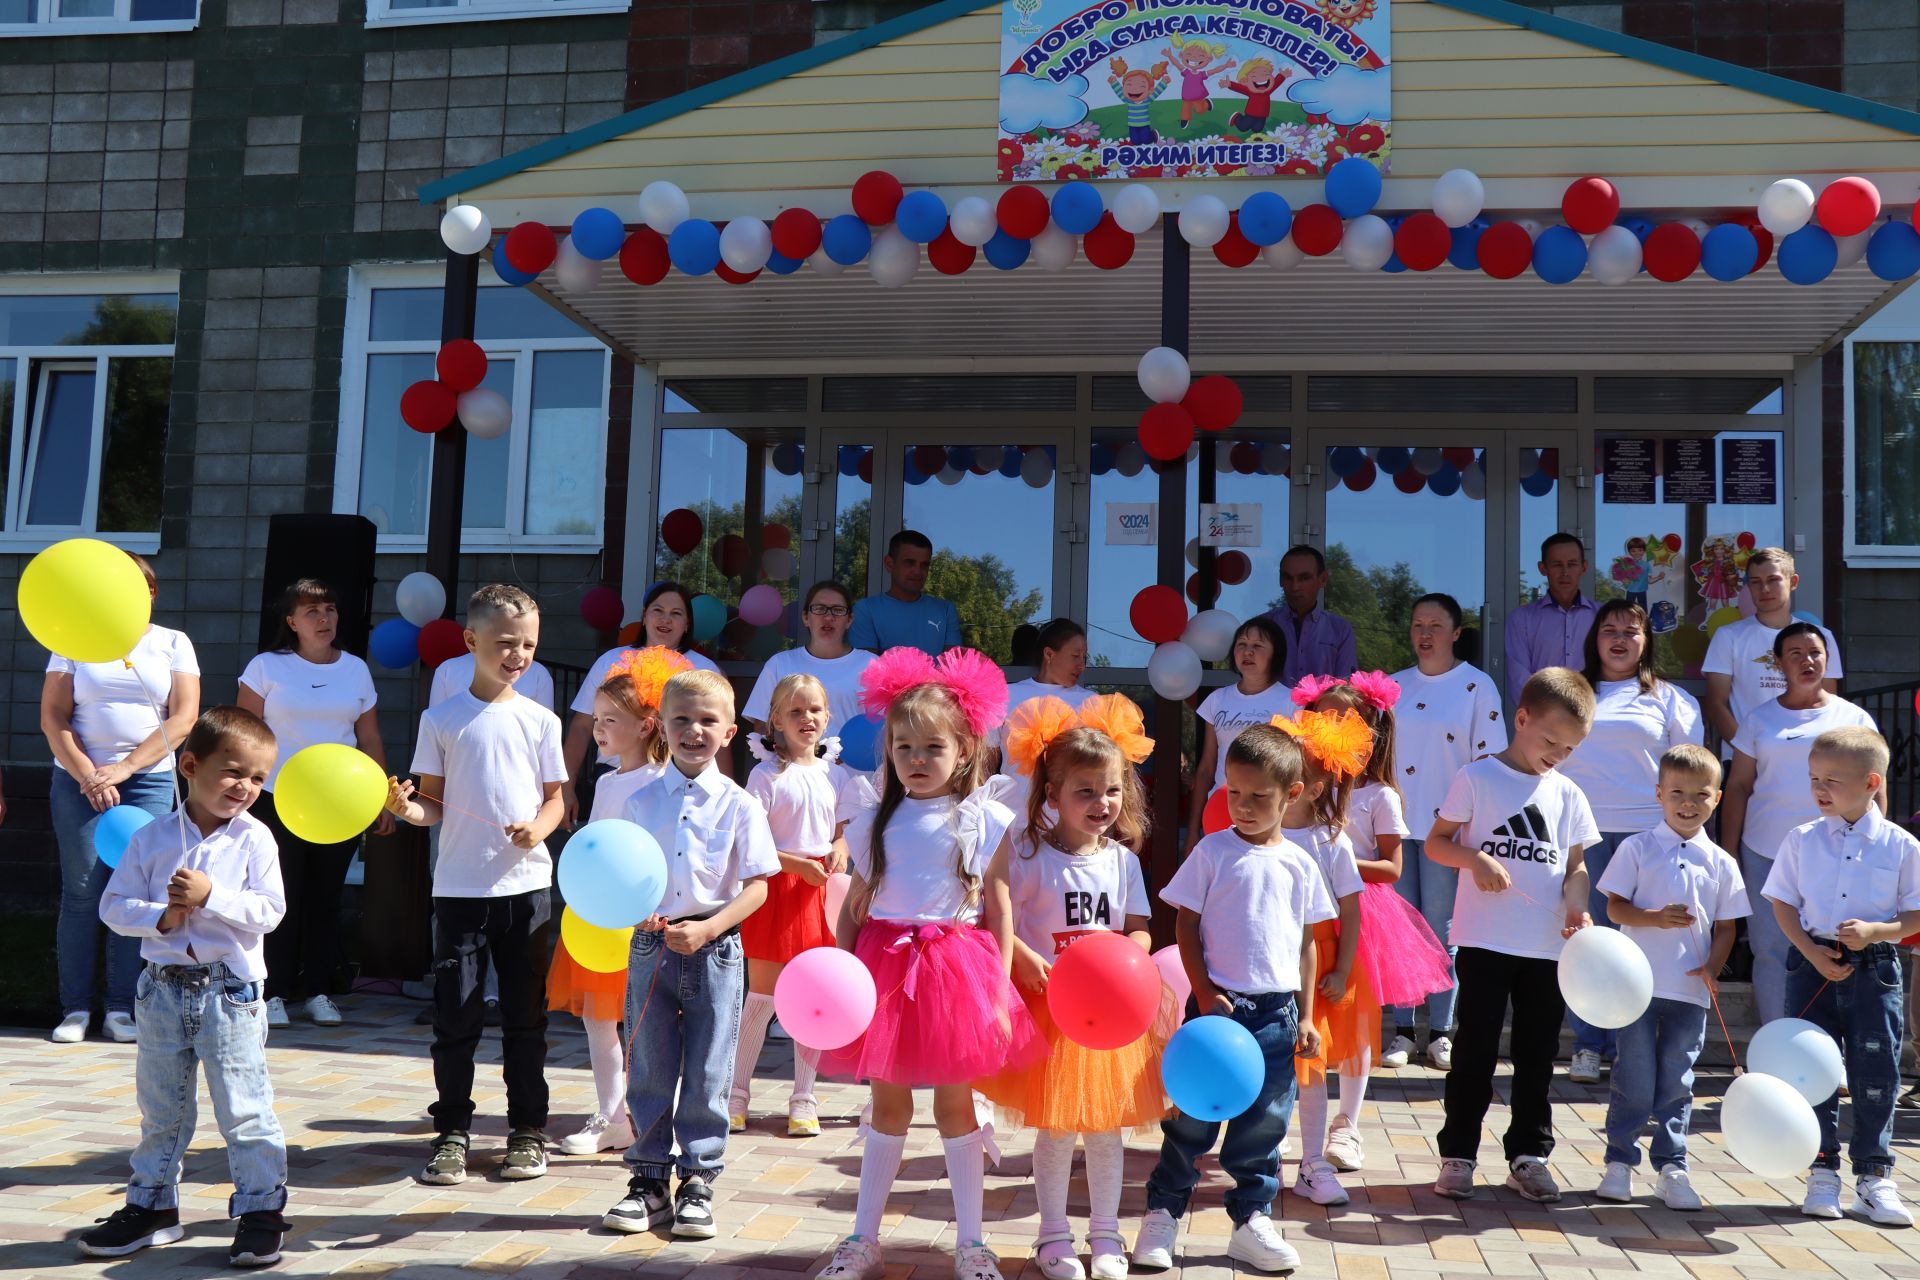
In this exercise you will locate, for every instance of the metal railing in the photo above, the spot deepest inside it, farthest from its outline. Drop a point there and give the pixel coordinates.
(1893, 710)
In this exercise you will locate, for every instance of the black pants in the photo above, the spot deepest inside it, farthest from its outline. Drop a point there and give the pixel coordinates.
(509, 933)
(1489, 982)
(303, 953)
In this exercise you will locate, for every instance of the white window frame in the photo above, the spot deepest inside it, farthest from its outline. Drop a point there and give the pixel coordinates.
(1859, 554)
(358, 348)
(380, 13)
(119, 24)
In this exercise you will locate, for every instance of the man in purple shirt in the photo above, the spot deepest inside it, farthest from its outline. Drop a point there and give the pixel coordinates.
(1552, 631)
(1318, 643)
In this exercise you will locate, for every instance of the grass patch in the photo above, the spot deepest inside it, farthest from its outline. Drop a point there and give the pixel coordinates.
(1165, 115)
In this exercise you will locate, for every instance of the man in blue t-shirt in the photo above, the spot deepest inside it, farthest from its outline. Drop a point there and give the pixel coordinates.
(906, 615)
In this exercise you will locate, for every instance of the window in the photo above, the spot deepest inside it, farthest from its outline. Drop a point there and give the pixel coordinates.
(95, 17)
(85, 383)
(1883, 452)
(540, 486)
(394, 13)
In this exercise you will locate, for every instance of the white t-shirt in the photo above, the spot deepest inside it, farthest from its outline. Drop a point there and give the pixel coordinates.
(1441, 723)
(1026, 691)
(1656, 869)
(806, 803)
(1618, 765)
(1254, 902)
(930, 844)
(455, 675)
(1373, 811)
(840, 676)
(597, 675)
(1230, 711)
(1333, 854)
(309, 703)
(1530, 822)
(611, 791)
(1059, 897)
(495, 758)
(1780, 740)
(1744, 650)
(111, 711)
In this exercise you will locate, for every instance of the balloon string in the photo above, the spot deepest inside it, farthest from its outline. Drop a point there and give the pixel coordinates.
(633, 1032)
(179, 791)
(1714, 996)
(1816, 997)
(478, 817)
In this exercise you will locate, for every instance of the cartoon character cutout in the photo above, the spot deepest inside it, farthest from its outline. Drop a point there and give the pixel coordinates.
(1346, 13)
(1259, 82)
(1196, 60)
(1718, 575)
(1633, 571)
(1138, 89)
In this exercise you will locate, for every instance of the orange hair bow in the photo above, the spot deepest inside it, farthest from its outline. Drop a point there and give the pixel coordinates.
(649, 669)
(1035, 725)
(1120, 718)
(1340, 742)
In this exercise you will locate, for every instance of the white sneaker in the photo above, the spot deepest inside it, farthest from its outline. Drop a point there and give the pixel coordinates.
(975, 1262)
(1399, 1052)
(1258, 1243)
(121, 1028)
(277, 1013)
(598, 1134)
(855, 1258)
(1878, 1199)
(1440, 1053)
(1318, 1183)
(1823, 1194)
(1617, 1184)
(324, 1012)
(1677, 1191)
(1153, 1246)
(1585, 1068)
(1344, 1151)
(72, 1028)
(1056, 1259)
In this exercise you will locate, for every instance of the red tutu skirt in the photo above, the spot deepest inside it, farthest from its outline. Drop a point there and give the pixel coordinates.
(1350, 1026)
(584, 993)
(1403, 960)
(792, 919)
(946, 1014)
(1075, 1089)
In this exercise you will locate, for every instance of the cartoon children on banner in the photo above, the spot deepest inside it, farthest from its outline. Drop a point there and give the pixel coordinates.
(1138, 89)
(1721, 572)
(1261, 82)
(1664, 589)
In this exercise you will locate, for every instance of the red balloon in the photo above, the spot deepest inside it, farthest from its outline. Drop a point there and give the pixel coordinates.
(1165, 432)
(1023, 212)
(775, 537)
(681, 530)
(1109, 246)
(1104, 991)
(461, 364)
(866, 466)
(875, 196)
(1232, 567)
(1672, 252)
(929, 459)
(730, 555)
(1744, 542)
(1550, 462)
(731, 276)
(1505, 250)
(1848, 206)
(1673, 543)
(428, 406)
(1216, 816)
(1214, 401)
(1363, 478)
(602, 609)
(1234, 249)
(1193, 589)
(441, 639)
(1317, 230)
(1422, 241)
(1764, 238)
(1590, 205)
(1407, 480)
(643, 258)
(796, 234)
(1158, 614)
(531, 248)
(1458, 459)
(948, 256)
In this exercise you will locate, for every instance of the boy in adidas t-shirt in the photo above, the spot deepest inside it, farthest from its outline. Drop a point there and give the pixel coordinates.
(1518, 828)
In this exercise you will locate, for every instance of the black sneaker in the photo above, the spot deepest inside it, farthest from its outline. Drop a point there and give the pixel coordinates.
(644, 1207)
(448, 1167)
(256, 1240)
(693, 1210)
(130, 1230)
(526, 1155)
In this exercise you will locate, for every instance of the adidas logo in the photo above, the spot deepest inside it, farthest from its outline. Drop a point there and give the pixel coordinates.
(1527, 838)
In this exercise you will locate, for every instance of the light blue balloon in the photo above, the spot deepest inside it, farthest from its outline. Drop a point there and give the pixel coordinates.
(1353, 186)
(709, 615)
(613, 874)
(860, 743)
(1212, 1068)
(114, 829)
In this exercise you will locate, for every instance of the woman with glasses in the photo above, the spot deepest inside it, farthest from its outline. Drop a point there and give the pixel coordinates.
(827, 612)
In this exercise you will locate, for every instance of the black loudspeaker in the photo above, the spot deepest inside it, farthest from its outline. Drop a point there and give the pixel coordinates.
(338, 550)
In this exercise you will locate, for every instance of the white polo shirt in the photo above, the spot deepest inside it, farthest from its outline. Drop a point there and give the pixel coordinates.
(1834, 871)
(714, 835)
(1656, 869)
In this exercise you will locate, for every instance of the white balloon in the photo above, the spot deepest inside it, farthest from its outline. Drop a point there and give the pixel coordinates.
(465, 229)
(1210, 634)
(1204, 222)
(1368, 242)
(824, 265)
(1473, 483)
(950, 474)
(485, 414)
(1459, 196)
(1223, 457)
(1614, 256)
(1274, 459)
(746, 244)
(1767, 1126)
(972, 221)
(1193, 552)
(1283, 254)
(1036, 468)
(663, 206)
(776, 564)
(1853, 248)
(1800, 1053)
(1699, 226)
(1174, 671)
(1605, 977)
(420, 598)
(893, 259)
(576, 275)
(1164, 375)
(1531, 226)
(1130, 459)
(1136, 208)
(1054, 249)
(1786, 206)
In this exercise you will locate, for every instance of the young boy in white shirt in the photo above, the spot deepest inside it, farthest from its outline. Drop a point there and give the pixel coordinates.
(1677, 895)
(1845, 889)
(490, 773)
(1518, 828)
(200, 888)
(719, 852)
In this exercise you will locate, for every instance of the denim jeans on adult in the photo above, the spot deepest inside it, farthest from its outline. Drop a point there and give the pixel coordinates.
(1600, 1040)
(1866, 1014)
(83, 878)
(1429, 888)
(685, 1015)
(205, 1016)
(1653, 1078)
(1250, 1152)
(1770, 946)
(1490, 981)
(509, 935)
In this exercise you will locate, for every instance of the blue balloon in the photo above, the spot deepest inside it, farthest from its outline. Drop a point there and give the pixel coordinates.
(1346, 460)
(1445, 481)
(921, 217)
(1212, 1068)
(960, 457)
(1729, 251)
(114, 829)
(1010, 459)
(1464, 254)
(394, 644)
(846, 239)
(694, 247)
(1559, 255)
(1265, 218)
(1539, 484)
(1809, 255)
(709, 615)
(860, 743)
(781, 265)
(1077, 207)
(788, 458)
(1100, 458)
(612, 873)
(1007, 253)
(1894, 251)
(916, 476)
(1393, 459)
(598, 234)
(1393, 266)
(1641, 227)
(506, 270)
(849, 460)
(1353, 186)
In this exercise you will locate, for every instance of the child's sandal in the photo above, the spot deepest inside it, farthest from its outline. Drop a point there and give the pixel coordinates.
(1054, 1256)
(1109, 1255)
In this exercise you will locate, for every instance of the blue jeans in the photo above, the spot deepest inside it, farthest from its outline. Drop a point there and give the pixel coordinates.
(1429, 888)
(1600, 1040)
(1653, 1077)
(1251, 1152)
(1866, 1014)
(1769, 944)
(203, 1015)
(684, 1016)
(83, 878)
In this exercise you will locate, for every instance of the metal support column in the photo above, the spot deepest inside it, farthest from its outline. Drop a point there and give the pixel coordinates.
(448, 487)
(1168, 717)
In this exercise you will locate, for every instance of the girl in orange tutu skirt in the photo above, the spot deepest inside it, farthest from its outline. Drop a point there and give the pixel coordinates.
(625, 724)
(1067, 874)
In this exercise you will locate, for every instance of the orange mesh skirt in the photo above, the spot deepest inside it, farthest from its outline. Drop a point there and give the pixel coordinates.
(584, 993)
(1350, 1026)
(1075, 1089)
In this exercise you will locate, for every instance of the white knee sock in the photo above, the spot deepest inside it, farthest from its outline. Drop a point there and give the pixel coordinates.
(806, 1064)
(1353, 1087)
(1052, 1167)
(879, 1163)
(967, 1175)
(1313, 1121)
(753, 1034)
(1106, 1169)
(608, 1057)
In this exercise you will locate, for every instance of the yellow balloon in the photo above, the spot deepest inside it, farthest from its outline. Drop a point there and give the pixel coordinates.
(593, 948)
(86, 600)
(329, 793)
(1720, 618)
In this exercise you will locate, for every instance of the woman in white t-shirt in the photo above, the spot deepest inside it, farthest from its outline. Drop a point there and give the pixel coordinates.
(112, 747)
(309, 692)
(826, 611)
(1768, 793)
(1062, 648)
(1259, 655)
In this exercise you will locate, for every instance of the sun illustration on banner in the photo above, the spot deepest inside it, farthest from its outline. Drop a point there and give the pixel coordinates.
(1347, 13)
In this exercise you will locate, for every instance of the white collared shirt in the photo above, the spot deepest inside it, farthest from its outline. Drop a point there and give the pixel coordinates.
(1834, 871)
(714, 835)
(245, 904)
(1656, 869)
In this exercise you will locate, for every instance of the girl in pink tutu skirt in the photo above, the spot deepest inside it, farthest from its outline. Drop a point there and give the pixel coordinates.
(947, 1013)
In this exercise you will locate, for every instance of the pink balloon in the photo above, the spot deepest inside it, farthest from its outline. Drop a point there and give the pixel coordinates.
(760, 605)
(1174, 974)
(824, 998)
(837, 885)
